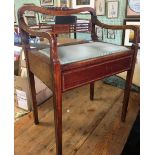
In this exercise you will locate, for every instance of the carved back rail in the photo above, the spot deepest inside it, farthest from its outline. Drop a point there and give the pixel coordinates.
(46, 30)
(64, 11)
(67, 28)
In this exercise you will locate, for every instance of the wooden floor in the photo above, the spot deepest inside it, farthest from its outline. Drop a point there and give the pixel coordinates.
(89, 127)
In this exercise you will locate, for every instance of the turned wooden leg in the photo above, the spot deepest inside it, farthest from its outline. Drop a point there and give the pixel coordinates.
(126, 94)
(92, 91)
(128, 86)
(58, 121)
(34, 101)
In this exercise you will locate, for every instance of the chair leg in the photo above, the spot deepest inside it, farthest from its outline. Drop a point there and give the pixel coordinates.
(34, 101)
(57, 103)
(128, 86)
(92, 91)
(126, 94)
(58, 122)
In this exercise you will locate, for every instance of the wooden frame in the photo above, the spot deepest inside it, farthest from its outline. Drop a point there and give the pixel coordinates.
(100, 7)
(60, 78)
(112, 9)
(46, 2)
(132, 8)
(83, 3)
(127, 39)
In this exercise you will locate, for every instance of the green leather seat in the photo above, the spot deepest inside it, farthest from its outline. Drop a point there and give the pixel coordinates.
(80, 52)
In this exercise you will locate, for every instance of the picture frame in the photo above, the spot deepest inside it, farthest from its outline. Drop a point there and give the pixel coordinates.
(47, 18)
(29, 13)
(110, 34)
(132, 8)
(100, 7)
(31, 21)
(112, 9)
(127, 39)
(63, 3)
(99, 32)
(83, 3)
(46, 2)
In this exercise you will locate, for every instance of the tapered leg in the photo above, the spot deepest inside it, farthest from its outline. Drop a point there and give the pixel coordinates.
(92, 91)
(58, 121)
(128, 86)
(34, 101)
(126, 94)
(57, 103)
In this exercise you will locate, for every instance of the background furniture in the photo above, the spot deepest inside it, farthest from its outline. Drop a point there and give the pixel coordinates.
(63, 68)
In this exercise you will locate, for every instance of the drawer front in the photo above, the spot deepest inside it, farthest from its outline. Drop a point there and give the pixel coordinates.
(79, 77)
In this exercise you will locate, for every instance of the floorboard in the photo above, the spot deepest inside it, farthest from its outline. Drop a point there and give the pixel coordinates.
(89, 127)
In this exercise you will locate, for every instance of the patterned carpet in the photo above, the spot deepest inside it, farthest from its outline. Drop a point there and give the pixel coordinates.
(119, 82)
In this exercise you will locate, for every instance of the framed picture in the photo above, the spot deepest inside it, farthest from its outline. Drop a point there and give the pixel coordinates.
(63, 3)
(83, 3)
(100, 7)
(110, 34)
(31, 21)
(46, 2)
(128, 35)
(29, 13)
(133, 9)
(112, 9)
(99, 32)
(47, 18)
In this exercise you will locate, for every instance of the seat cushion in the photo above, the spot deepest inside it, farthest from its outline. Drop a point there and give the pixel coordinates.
(80, 52)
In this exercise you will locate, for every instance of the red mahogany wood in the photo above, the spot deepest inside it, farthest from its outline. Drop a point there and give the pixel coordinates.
(78, 77)
(60, 78)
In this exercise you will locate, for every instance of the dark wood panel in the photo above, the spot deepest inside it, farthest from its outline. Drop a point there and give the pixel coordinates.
(79, 77)
(41, 67)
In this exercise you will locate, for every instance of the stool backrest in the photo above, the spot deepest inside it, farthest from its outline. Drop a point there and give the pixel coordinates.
(53, 30)
(66, 20)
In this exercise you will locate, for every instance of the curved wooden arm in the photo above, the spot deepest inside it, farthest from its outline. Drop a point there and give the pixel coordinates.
(46, 33)
(121, 27)
(55, 11)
